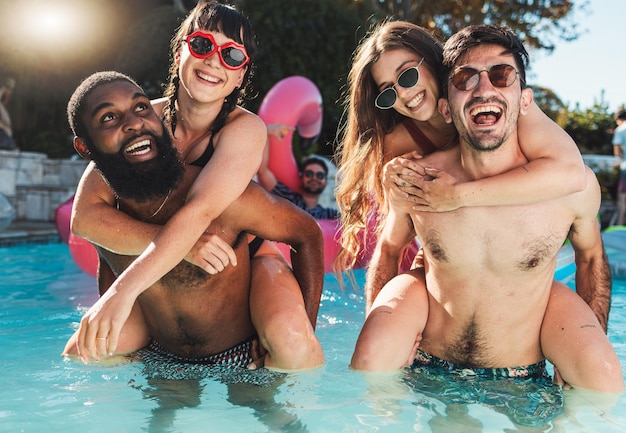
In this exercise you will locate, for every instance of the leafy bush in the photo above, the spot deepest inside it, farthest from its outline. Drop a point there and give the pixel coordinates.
(55, 143)
(311, 38)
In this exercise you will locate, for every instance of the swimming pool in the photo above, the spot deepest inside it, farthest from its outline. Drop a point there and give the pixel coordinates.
(43, 295)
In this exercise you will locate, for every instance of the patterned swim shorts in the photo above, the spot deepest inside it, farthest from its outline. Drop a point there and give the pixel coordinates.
(161, 363)
(538, 370)
(526, 395)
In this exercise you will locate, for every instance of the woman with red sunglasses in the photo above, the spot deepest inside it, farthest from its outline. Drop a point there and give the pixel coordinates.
(211, 67)
(394, 86)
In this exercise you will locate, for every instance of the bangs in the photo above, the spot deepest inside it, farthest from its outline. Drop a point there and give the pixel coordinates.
(223, 19)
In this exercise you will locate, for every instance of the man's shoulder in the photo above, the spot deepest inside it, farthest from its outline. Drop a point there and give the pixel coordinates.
(442, 159)
(284, 191)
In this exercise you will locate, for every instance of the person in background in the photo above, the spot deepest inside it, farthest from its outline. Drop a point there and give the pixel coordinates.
(619, 145)
(6, 131)
(313, 173)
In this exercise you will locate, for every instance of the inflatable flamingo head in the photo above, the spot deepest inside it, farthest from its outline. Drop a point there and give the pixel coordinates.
(296, 102)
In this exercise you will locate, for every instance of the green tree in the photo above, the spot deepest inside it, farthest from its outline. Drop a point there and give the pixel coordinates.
(540, 23)
(592, 128)
(311, 38)
(149, 62)
(551, 104)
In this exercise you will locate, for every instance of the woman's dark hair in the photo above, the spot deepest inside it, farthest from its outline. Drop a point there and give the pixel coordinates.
(483, 34)
(216, 17)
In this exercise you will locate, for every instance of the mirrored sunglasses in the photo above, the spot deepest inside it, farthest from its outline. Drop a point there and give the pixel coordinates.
(468, 78)
(407, 79)
(320, 175)
(202, 45)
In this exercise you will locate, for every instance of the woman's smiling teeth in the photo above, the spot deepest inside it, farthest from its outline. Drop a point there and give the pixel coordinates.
(209, 78)
(486, 115)
(139, 148)
(415, 101)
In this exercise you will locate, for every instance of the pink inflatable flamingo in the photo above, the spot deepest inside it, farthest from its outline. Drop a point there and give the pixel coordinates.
(83, 252)
(296, 102)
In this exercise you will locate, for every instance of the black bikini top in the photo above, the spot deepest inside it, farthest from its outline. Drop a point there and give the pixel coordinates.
(206, 155)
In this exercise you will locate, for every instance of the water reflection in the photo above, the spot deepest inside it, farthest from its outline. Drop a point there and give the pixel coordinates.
(256, 390)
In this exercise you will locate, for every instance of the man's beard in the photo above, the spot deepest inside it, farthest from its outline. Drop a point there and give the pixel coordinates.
(484, 142)
(144, 180)
(317, 191)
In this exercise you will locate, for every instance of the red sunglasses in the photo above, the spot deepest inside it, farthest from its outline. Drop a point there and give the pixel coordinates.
(202, 45)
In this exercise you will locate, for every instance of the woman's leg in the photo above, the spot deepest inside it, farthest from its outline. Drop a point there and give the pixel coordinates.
(398, 316)
(573, 340)
(279, 316)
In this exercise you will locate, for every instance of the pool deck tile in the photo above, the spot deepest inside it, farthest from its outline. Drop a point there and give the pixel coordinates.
(20, 232)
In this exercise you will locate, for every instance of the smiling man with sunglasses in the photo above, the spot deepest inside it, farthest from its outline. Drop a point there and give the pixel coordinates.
(313, 178)
(489, 270)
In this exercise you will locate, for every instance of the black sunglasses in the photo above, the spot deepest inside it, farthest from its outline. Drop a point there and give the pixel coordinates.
(320, 175)
(500, 76)
(407, 79)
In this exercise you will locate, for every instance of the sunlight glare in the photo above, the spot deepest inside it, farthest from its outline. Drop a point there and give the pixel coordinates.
(52, 25)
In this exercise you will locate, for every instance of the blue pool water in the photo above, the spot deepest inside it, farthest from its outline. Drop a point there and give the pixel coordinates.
(43, 295)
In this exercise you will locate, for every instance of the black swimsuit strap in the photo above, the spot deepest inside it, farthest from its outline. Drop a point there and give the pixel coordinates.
(206, 155)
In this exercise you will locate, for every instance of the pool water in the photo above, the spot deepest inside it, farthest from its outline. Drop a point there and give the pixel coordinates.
(43, 295)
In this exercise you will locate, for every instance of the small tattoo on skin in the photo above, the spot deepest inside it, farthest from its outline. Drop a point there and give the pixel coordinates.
(383, 311)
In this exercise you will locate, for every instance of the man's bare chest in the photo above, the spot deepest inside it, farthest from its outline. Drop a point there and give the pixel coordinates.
(510, 238)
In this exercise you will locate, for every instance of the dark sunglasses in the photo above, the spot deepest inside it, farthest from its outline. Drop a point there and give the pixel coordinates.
(499, 75)
(202, 45)
(320, 175)
(407, 79)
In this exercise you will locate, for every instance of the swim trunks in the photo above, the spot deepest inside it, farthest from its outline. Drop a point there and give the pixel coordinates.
(533, 371)
(526, 395)
(160, 363)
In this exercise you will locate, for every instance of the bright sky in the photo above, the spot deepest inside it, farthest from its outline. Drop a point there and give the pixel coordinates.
(578, 71)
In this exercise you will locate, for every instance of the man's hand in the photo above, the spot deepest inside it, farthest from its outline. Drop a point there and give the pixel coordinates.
(279, 130)
(558, 380)
(212, 254)
(100, 327)
(416, 345)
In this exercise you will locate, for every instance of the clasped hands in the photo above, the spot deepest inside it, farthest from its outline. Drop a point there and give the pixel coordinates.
(410, 186)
